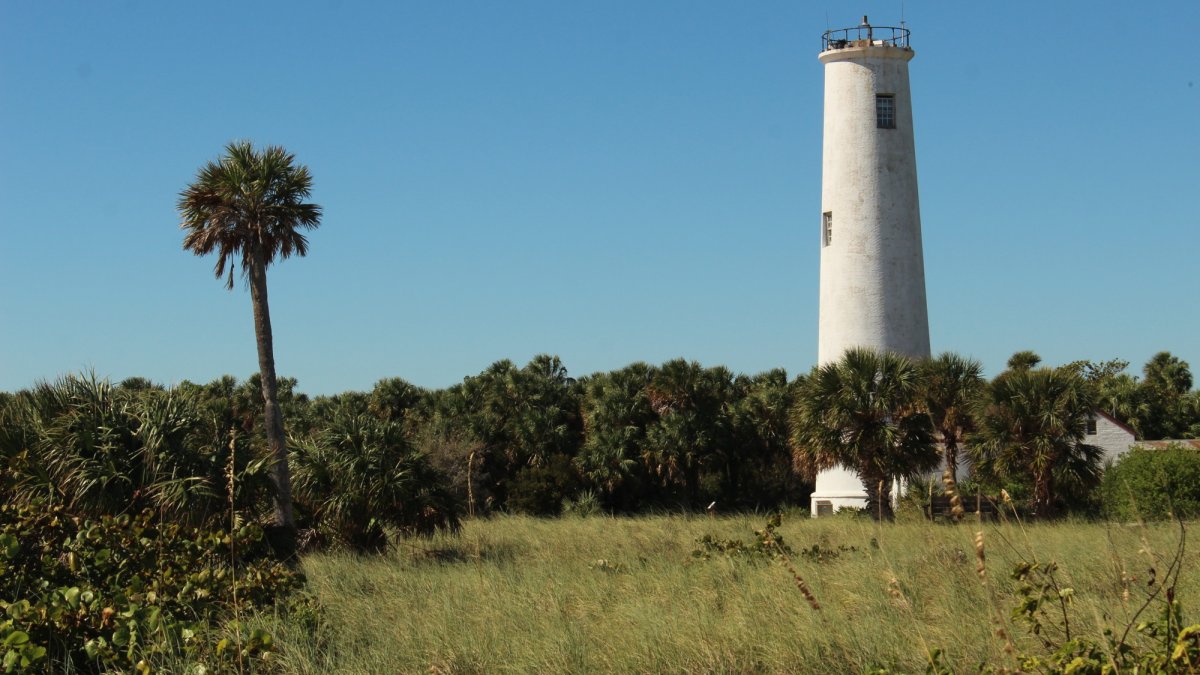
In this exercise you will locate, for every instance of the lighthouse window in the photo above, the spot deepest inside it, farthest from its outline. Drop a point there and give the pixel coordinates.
(826, 228)
(885, 111)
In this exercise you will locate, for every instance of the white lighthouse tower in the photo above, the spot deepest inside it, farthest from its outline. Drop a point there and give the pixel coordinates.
(872, 268)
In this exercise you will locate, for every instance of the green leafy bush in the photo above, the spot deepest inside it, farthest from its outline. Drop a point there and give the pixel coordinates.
(128, 593)
(766, 545)
(1153, 484)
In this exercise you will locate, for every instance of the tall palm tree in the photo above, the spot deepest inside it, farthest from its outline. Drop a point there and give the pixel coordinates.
(862, 412)
(250, 205)
(949, 385)
(1031, 426)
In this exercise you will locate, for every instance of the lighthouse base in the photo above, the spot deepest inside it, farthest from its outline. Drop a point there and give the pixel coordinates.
(840, 488)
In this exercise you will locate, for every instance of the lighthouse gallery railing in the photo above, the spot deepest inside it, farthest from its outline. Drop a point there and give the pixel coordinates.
(879, 36)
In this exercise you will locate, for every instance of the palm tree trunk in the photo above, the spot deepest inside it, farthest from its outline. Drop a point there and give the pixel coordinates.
(1043, 495)
(280, 474)
(879, 496)
(950, 448)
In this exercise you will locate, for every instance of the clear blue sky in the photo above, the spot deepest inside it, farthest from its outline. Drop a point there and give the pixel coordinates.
(606, 181)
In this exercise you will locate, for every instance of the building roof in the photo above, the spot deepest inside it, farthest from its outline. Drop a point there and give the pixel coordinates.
(1163, 444)
(1117, 422)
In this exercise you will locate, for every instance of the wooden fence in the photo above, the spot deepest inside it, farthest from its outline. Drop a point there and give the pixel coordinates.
(984, 505)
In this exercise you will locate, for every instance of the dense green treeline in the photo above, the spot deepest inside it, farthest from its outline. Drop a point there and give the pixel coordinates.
(533, 439)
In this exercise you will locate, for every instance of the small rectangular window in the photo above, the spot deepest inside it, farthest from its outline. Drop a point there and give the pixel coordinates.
(824, 508)
(826, 228)
(1091, 425)
(885, 111)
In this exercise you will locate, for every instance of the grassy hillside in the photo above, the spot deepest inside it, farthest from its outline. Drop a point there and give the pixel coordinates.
(516, 594)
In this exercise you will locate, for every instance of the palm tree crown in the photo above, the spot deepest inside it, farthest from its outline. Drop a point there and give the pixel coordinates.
(950, 383)
(862, 412)
(248, 204)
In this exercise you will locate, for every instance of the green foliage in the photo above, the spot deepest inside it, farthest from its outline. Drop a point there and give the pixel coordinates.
(758, 473)
(818, 553)
(97, 449)
(1031, 426)
(685, 434)
(1099, 371)
(863, 413)
(1153, 483)
(639, 438)
(616, 416)
(1024, 360)
(394, 399)
(584, 504)
(693, 430)
(766, 545)
(360, 475)
(541, 490)
(456, 455)
(248, 208)
(128, 593)
(1159, 406)
(949, 387)
(516, 417)
(1164, 392)
(526, 439)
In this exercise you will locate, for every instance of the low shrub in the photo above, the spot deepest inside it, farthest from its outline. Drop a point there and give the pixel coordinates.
(583, 505)
(766, 545)
(1153, 484)
(129, 593)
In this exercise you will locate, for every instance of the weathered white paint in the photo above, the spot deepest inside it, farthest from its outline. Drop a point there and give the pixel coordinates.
(1113, 437)
(872, 270)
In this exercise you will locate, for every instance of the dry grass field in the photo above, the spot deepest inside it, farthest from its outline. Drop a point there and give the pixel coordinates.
(626, 595)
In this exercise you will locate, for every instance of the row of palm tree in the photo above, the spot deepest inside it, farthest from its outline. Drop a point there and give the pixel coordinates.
(640, 436)
(198, 455)
(885, 417)
(530, 438)
(249, 207)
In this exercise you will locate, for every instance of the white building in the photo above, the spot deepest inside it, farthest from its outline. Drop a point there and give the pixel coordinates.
(872, 265)
(1106, 432)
